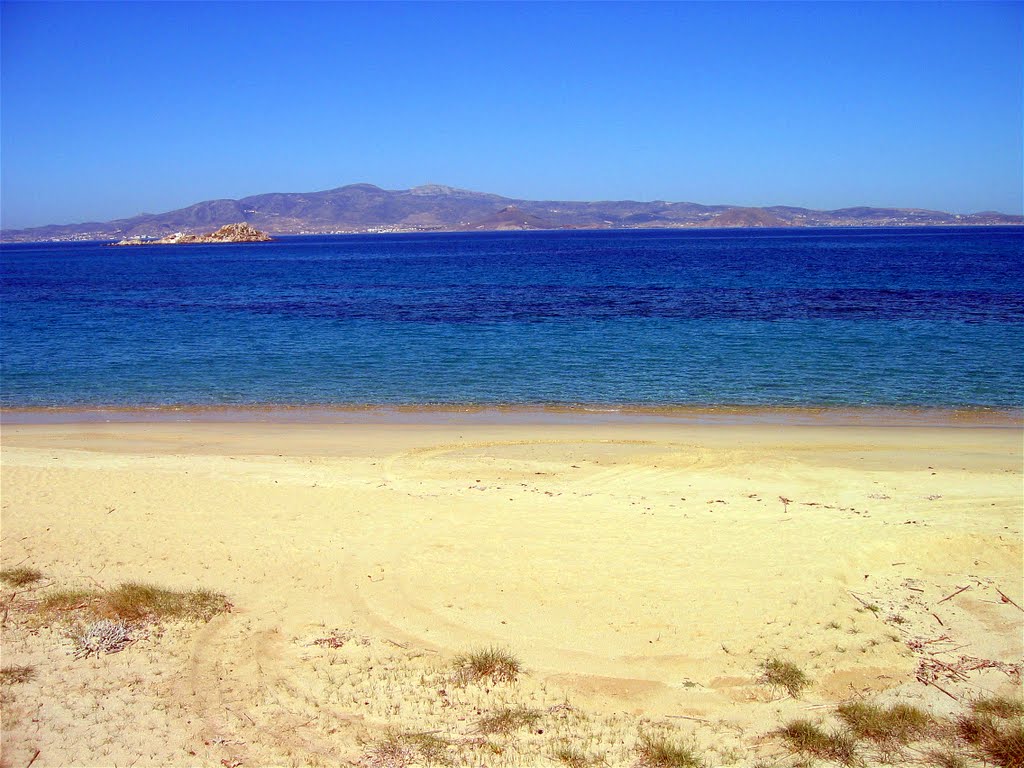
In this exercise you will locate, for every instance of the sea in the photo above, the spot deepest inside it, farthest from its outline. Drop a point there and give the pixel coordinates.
(812, 318)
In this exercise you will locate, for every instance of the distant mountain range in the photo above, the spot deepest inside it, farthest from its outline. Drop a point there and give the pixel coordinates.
(436, 208)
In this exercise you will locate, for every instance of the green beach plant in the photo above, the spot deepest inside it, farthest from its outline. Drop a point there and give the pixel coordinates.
(495, 664)
(572, 757)
(810, 739)
(998, 740)
(655, 752)
(20, 576)
(60, 600)
(898, 724)
(945, 758)
(134, 602)
(508, 719)
(397, 750)
(783, 675)
(998, 706)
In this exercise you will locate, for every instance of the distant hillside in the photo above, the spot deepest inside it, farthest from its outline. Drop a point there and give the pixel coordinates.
(747, 217)
(510, 218)
(436, 208)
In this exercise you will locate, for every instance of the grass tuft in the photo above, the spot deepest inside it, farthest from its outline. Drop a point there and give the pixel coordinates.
(998, 706)
(509, 719)
(899, 724)
(945, 758)
(810, 739)
(1007, 748)
(573, 758)
(999, 740)
(397, 750)
(784, 675)
(495, 664)
(66, 600)
(136, 602)
(662, 753)
(20, 576)
(430, 748)
(133, 602)
(13, 673)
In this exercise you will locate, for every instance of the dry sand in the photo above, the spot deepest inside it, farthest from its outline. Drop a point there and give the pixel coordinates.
(640, 572)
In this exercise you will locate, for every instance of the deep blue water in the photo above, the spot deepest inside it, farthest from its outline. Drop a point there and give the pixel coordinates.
(910, 317)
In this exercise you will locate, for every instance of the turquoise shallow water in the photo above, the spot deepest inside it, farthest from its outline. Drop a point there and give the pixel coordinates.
(905, 318)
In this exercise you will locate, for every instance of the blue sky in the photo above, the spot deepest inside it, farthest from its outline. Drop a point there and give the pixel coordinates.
(112, 109)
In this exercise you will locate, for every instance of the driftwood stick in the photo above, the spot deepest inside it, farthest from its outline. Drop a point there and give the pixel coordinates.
(858, 599)
(947, 597)
(688, 717)
(1008, 600)
(936, 685)
(33, 758)
(938, 620)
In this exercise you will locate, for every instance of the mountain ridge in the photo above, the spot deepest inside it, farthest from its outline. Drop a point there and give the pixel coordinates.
(367, 208)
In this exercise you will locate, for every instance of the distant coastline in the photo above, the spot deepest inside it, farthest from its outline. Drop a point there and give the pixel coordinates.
(368, 209)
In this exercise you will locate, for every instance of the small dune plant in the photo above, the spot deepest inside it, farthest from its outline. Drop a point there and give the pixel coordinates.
(103, 636)
(496, 665)
(135, 602)
(656, 752)
(998, 706)
(890, 728)
(783, 676)
(994, 730)
(811, 740)
(102, 621)
(571, 757)
(397, 750)
(20, 576)
(508, 719)
(63, 600)
(945, 758)
(12, 674)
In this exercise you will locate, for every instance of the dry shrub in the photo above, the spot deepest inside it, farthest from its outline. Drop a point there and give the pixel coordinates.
(103, 636)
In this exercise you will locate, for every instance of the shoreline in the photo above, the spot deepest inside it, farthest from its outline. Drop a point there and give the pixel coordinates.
(526, 414)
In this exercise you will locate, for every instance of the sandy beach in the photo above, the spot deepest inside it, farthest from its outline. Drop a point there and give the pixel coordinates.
(641, 573)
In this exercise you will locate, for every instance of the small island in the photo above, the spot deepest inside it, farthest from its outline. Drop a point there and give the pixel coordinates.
(229, 233)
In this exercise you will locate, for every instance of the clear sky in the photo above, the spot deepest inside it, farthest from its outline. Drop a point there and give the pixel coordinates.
(113, 109)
